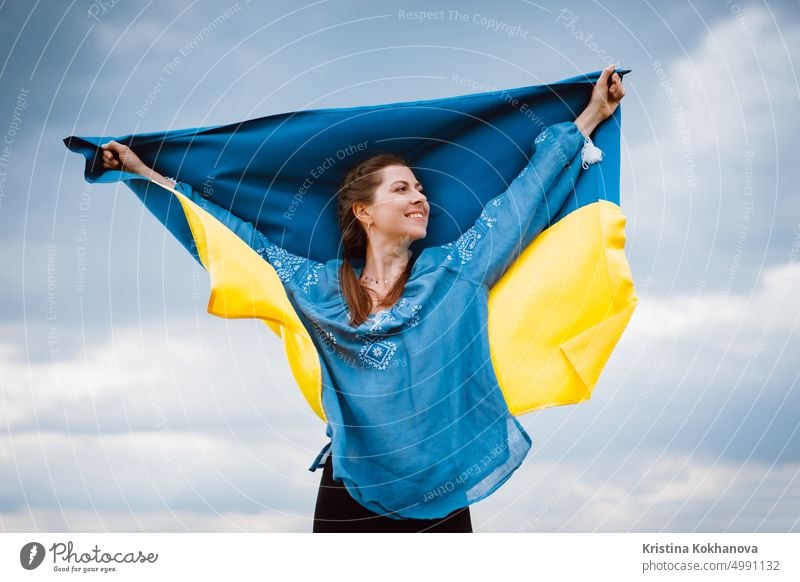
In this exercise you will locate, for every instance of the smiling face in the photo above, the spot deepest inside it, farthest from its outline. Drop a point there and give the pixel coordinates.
(399, 208)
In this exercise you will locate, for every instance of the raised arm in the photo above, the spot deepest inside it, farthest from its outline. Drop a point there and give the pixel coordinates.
(294, 271)
(510, 221)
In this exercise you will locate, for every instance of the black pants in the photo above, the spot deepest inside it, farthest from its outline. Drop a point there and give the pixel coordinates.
(337, 511)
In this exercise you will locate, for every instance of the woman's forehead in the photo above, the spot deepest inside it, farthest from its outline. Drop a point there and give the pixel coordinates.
(394, 173)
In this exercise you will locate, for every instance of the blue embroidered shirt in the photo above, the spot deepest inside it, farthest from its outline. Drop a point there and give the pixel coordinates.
(417, 422)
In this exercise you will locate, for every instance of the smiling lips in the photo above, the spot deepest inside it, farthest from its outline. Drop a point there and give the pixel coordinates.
(416, 215)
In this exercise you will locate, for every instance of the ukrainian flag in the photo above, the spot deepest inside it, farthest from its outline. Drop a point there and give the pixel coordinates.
(554, 317)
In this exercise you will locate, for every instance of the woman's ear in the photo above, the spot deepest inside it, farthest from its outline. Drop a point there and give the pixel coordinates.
(360, 211)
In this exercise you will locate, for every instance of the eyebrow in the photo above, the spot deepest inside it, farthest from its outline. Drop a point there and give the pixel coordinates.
(404, 182)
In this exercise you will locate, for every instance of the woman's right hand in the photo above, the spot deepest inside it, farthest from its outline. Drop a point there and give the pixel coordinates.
(117, 156)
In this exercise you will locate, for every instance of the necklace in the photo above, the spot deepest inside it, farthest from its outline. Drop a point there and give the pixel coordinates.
(380, 295)
(385, 281)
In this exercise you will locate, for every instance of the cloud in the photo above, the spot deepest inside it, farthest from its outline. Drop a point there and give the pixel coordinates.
(150, 472)
(649, 491)
(705, 177)
(184, 374)
(769, 308)
(208, 489)
(195, 423)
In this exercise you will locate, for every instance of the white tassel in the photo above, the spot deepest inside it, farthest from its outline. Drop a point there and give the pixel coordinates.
(590, 153)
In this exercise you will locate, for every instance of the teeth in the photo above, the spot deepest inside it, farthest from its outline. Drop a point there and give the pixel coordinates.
(415, 215)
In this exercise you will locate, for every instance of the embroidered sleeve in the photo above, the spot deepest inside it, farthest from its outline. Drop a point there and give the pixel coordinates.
(294, 271)
(511, 220)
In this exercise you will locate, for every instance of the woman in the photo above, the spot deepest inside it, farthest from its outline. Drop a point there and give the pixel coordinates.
(419, 429)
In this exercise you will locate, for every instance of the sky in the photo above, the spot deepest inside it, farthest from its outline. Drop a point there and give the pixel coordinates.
(127, 407)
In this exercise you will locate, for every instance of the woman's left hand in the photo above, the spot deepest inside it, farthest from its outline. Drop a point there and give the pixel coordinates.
(606, 95)
(605, 99)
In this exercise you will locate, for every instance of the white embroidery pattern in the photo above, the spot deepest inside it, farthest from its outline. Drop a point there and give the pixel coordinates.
(312, 276)
(465, 244)
(286, 264)
(376, 351)
(543, 135)
(413, 318)
(379, 318)
(414, 308)
(329, 335)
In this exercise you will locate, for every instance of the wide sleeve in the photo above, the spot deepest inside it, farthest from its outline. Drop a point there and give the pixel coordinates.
(297, 273)
(512, 219)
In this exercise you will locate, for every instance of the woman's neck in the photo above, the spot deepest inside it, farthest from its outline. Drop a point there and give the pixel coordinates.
(381, 270)
(384, 264)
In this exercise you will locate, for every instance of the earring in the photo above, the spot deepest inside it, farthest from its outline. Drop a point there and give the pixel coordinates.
(368, 229)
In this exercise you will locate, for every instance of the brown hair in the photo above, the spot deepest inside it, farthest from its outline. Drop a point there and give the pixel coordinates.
(359, 185)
